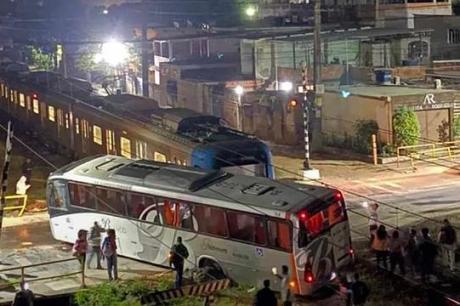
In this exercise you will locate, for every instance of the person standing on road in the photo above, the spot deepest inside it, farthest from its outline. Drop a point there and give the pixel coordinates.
(178, 255)
(448, 239)
(24, 297)
(109, 251)
(285, 289)
(94, 243)
(412, 252)
(80, 247)
(359, 292)
(27, 170)
(265, 296)
(428, 252)
(380, 247)
(373, 219)
(396, 253)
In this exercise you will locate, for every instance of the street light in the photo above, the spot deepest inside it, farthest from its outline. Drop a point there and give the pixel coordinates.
(286, 86)
(114, 53)
(250, 11)
(239, 90)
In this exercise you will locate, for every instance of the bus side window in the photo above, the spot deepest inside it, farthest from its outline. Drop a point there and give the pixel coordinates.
(210, 220)
(185, 216)
(80, 195)
(110, 201)
(144, 208)
(169, 212)
(279, 235)
(246, 227)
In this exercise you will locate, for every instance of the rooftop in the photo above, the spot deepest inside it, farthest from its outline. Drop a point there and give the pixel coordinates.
(389, 90)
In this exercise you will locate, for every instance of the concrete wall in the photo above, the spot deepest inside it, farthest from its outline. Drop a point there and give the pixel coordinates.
(339, 115)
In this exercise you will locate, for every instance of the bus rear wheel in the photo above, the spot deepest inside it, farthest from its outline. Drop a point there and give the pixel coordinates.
(210, 270)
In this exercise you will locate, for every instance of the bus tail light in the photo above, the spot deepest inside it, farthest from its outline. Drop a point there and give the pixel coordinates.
(303, 215)
(309, 277)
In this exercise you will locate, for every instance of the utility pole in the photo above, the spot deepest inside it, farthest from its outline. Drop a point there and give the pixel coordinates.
(317, 45)
(145, 62)
(306, 114)
(6, 166)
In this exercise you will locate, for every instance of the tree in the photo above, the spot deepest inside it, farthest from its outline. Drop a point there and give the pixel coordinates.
(41, 60)
(406, 127)
(363, 133)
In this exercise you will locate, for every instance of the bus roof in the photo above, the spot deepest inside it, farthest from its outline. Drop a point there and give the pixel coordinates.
(252, 191)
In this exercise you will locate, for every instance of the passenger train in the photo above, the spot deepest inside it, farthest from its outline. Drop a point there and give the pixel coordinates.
(233, 225)
(64, 112)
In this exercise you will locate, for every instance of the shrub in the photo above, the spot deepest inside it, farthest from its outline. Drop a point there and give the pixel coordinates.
(364, 129)
(406, 127)
(457, 127)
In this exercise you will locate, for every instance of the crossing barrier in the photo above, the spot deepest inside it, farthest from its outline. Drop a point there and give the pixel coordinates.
(203, 289)
(21, 207)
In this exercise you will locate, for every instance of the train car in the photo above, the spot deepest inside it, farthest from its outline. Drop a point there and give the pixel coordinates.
(126, 125)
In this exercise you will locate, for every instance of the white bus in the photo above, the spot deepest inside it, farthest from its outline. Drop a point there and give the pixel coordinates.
(233, 226)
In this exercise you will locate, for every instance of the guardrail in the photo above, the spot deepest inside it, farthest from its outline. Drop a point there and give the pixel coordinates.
(432, 150)
(23, 268)
(21, 208)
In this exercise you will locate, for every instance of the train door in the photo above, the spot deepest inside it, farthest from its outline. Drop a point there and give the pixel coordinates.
(43, 114)
(110, 142)
(84, 135)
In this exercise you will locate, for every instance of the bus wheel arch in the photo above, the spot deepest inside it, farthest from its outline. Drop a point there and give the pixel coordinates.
(210, 268)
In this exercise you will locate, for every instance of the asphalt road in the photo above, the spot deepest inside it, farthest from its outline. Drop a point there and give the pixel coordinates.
(27, 235)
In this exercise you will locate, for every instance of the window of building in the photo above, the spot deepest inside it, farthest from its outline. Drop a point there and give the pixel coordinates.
(279, 235)
(246, 227)
(66, 120)
(22, 100)
(111, 201)
(51, 113)
(418, 49)
(97, 134)
(210, 220)
(157, 156)
(35, 106)
(80, 195)
(453, 36)
(110, 139)
(77, 125)
(141, 149)
(125, 146)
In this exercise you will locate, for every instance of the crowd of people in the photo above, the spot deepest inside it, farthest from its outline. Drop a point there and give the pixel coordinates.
(410, 249)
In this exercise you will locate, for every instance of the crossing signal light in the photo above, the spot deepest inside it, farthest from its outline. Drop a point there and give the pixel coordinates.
(292, 104)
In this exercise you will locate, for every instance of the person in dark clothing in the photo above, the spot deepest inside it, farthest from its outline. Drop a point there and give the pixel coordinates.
(265, 296)
(428, 252)
(24, 297)
(177, 256)
(359, 291)
(412, 252)
(27, 170)
(448, 240)
(396, 253)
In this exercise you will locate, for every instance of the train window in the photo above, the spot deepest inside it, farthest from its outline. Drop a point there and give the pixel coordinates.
(77, 125)
(15, 97)
(6, 92)
(28, 102)
(12, 95)
(111, 201)
(84, 128)
(125, 145)
(22, 100)
(211, 220)
(66, 120)
(2, 88)
(141, 149)
(97, 134)
(51, 113)
(80, 195)
(279, 235)
(246, 227)
(110, 139)
(159, 157)
(35, 106)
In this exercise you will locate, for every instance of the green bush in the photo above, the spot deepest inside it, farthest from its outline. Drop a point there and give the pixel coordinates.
(364, 129)
(125, 293)
(406, 127)
(457, 127)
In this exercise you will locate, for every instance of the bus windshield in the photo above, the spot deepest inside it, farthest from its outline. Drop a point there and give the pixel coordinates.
(312, 225)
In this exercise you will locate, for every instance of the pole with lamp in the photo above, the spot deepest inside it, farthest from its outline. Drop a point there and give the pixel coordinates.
(239, 90)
